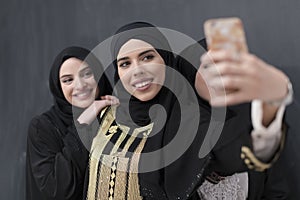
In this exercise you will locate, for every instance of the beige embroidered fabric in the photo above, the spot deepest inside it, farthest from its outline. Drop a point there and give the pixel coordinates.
(114, 175)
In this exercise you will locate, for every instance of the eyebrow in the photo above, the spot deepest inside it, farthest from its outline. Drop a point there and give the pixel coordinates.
(67, 75)
(140, 54)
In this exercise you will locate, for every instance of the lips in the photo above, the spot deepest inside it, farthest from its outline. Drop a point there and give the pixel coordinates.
(142, 84)
(83, 94)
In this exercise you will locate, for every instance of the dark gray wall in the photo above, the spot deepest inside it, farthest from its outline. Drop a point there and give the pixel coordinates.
(33, 32)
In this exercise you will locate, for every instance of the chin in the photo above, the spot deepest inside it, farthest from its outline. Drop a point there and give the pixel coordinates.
(144, 97)
(83, 104)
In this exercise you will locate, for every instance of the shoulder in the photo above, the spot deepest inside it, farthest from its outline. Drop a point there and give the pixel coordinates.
(41, 128)
(40, 122)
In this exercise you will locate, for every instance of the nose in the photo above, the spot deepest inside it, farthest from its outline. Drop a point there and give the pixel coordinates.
(138, 69)
(80, 84)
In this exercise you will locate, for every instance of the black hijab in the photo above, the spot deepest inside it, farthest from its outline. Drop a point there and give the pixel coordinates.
(178, 179)
(63, 113)
(139, 110)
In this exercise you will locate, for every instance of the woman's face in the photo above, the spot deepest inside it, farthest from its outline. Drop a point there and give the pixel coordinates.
(78, 83)
(141, 69)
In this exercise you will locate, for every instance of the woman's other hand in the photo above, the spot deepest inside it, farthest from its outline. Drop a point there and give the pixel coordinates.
(95, 108)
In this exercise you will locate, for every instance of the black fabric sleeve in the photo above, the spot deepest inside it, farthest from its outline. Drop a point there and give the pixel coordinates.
(268, 185)
(86, 132)
(276, 186)
(57, 162)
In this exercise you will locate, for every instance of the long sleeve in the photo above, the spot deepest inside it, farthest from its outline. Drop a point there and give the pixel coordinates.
(265, 139)
(56, 162)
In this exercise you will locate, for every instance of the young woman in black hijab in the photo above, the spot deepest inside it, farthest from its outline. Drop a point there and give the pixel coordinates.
(148, 147)
(56, 157)
(120, 167)
(142, 150)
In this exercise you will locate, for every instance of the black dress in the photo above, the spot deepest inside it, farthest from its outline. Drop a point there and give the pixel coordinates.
(56, 161)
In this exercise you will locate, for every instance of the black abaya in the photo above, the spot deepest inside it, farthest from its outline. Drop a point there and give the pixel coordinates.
(56, 157)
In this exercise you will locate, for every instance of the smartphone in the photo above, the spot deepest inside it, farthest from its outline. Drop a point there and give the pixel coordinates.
(225, 33)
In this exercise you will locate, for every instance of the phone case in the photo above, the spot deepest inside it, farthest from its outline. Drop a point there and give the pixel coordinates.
(225, 33)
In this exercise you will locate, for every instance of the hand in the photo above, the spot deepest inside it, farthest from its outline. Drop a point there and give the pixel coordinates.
(93, 110)
(225, 78)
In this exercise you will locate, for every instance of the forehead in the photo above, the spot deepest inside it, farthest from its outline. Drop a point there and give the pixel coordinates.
(133, 46)
(71, 65)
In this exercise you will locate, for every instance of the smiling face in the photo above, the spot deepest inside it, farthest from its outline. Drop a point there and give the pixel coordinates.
(78, 83)
(141, 69)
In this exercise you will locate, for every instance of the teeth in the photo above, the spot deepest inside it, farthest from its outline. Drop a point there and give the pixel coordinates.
(142, 84)
(82, 94)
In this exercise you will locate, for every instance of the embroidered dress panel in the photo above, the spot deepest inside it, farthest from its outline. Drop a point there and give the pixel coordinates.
(233, 187)
(114, 160)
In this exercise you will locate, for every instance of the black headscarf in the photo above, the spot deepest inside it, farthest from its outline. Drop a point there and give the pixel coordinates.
(138, 109)
(180, 178)
(62, 113)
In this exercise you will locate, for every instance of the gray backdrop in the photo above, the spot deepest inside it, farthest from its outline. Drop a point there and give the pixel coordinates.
(33, 32)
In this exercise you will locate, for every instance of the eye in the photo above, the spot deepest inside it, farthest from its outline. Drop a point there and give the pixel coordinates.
(88, 73)
(67, 81)
(148, 57)
(124, 64)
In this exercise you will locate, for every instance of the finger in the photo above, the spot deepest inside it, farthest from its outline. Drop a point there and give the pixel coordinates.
(109, 97)
(237, 98)
(103, 103)
(114, 99)
(233, 98)
(221, 55)
(228, 68)
(226, 83)
(105, 97)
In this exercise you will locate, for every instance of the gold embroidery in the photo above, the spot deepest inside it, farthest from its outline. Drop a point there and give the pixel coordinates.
(253, 163)
(135, 133)
(118, 174)
(93, 164)
(121, 179)
(103, 186)
(133, 187)
(113, 129)
(112, 177)
(98, 145)
(118, 143)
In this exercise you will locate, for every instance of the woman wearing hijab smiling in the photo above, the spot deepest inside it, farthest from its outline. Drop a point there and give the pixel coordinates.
(127, 133)
(122, 165)
(56, 157)
(148, 147)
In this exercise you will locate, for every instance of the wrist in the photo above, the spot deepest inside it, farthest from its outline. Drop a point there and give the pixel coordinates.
(287, 99)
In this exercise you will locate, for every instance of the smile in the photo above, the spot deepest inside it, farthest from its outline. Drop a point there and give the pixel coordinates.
(143, 84)
(84, 94)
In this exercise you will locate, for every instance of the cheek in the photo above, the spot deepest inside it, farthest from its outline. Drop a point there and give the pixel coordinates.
(97, 92)
(67, 91)
(92, 82)
(122, 74)
(160, 73)
(124, 78)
